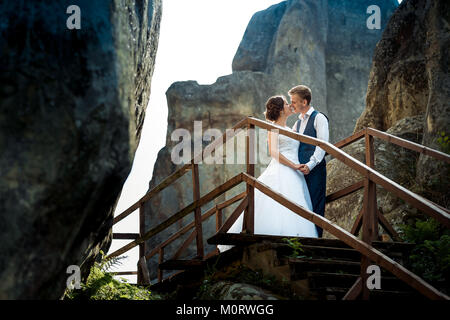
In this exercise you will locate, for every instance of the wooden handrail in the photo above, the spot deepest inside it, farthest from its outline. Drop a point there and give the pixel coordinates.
(181, 171)
(180, 214)
(345, 191)
(161, 186)
(367, 250)
(367, 172)
(205, 216)
(409, 145)
(354, 137)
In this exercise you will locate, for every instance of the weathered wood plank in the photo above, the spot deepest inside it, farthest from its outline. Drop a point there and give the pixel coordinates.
(182, 213)
(125, 273)
(233, 217)
(161, 186)
(234, 131)
(125, 236)
(197, 210)
(417, 201)
(185, 244)
(409, 145)
(181, 264)
(354, 137)
(205, 216)
(142, 245)
(387, 226)
(160, 261)
(358, 223)
(345, 191)
(249, 214)
(145, 275)
(354, 291)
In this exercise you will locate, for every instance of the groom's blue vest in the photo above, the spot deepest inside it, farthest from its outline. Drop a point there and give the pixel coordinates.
(317, 178)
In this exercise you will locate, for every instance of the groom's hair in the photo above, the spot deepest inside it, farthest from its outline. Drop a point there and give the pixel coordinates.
(302, 91)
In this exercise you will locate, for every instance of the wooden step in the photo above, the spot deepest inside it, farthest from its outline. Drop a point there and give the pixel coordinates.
(245, 239)
(320, 280)
(313, 251)
(181, 264)
(337, 293)
(337, 253)
(301, 266)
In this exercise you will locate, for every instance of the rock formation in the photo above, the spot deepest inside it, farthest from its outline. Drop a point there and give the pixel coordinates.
(408, 95)
(72, 107)
(323, 44)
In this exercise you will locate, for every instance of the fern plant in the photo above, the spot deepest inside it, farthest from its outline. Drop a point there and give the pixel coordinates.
(101, 285)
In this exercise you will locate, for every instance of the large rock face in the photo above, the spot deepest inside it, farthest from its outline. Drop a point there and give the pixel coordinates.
(408, 95)
(72, 107)
(323, 44)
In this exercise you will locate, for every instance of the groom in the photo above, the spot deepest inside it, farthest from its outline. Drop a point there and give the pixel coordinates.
(315, 124)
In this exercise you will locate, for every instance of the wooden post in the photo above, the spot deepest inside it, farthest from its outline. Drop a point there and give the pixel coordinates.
(370, 197)
(197, 211)
(218, 218)
(370, 216)
(249, 214)
(160, 260)
(142, 246)
(354, 291)
(145, 275)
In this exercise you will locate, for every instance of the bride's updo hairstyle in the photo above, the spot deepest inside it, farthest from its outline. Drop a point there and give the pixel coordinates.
(274, 106)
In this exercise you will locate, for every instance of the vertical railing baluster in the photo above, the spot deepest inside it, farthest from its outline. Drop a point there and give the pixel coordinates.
(142, 246)
(160, 260)
(249, 214)
(370, 218)
(197, 212)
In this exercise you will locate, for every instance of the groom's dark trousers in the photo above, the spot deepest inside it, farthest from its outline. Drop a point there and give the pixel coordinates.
(316, 180)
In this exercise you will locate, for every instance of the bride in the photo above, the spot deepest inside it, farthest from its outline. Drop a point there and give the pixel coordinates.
(283, 176)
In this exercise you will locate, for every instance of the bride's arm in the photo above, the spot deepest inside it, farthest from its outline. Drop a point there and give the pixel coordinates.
(272, 138)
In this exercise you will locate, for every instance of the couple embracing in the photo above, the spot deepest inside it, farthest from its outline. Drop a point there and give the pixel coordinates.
(296, 170)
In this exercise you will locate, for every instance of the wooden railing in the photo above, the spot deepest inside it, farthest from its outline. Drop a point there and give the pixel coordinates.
(368, 218)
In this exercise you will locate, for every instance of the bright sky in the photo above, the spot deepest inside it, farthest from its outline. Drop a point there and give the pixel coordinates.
(198, 40)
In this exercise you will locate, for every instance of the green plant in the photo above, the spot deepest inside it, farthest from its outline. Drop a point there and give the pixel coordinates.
(101, 285)
(444, 142)
(296, 247)
(420, 231)
(430, 258)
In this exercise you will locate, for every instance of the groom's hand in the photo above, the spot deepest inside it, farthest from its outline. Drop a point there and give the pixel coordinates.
(304, 168)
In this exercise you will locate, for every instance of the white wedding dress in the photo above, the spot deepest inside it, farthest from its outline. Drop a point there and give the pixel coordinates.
(271, 217)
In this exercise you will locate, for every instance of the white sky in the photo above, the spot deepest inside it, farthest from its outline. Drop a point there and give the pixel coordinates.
(198, 40)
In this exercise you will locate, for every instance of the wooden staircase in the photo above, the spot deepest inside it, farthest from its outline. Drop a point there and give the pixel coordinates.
(329, 267)
(333, 269)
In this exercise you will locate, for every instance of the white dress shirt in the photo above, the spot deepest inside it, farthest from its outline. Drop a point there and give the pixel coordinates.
(321, 126)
